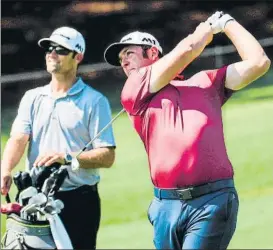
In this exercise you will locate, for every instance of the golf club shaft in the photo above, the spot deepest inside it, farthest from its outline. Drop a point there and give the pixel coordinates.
(99, 133)
(8, 198)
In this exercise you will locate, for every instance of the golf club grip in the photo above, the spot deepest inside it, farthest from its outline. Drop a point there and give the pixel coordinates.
(8, 198)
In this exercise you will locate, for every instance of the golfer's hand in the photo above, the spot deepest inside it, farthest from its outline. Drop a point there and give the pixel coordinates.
(6, 180)
(49, 158)
(218, 21)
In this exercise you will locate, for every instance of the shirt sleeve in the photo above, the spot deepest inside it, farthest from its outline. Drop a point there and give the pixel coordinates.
(218, 78)
(135, 95)
(23, 120)
(100, 117)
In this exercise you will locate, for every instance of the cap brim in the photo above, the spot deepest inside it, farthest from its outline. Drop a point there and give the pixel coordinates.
(111, 54)
(45, 43)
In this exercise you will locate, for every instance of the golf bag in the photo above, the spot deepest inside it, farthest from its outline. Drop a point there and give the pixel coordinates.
(37, 225)
(25, 234)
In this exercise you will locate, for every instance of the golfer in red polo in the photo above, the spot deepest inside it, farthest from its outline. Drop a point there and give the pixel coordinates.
(180, 124)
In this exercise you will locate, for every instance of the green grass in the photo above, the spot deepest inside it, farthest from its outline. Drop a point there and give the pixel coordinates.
(126, 189)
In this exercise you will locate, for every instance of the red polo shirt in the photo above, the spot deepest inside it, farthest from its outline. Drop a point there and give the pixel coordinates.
(181, 127)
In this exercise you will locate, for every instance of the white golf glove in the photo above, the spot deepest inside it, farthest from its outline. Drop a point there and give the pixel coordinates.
(218, 21)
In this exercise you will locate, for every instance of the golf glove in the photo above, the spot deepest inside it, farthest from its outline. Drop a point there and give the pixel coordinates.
(218, 21)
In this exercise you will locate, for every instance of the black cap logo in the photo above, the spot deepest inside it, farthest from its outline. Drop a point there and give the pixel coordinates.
(148, 40)
(67, 37)
(79, 47)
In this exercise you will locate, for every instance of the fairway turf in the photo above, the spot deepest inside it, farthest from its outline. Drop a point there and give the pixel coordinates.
(126, 189)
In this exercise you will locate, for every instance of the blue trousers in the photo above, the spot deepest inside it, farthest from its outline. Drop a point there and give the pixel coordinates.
(206, 222)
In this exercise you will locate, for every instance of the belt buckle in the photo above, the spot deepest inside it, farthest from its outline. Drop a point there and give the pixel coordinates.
(185, 194)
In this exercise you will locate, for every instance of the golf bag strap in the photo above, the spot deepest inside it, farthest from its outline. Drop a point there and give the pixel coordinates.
(18, 238)
(4, 240)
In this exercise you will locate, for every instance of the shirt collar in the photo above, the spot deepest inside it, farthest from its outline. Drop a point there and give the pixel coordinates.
(76, 88)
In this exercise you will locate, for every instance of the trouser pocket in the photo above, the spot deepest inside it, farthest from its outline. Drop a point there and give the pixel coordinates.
(231, 219)
(151, 211)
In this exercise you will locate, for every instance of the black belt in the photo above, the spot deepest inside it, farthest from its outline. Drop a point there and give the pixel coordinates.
(194, 191)
(81, 189)
(87, 188)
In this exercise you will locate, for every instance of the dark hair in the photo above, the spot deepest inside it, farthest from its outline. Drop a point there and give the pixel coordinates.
(74, 54)
(145, 48)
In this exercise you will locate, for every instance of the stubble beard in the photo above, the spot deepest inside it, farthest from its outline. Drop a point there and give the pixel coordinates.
(54, 68)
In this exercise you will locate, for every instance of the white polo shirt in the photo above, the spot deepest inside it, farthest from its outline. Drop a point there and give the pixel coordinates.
(65, 124)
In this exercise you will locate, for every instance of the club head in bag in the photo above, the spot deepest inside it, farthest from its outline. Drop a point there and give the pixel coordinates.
(18, 183)
(26, 180)
(8, 198)
(55, 180)
(27, 210)
(49, 208)
(47, 186)
(39, 199)
(53, 206)
(59, 176)
(22, 180)
(26, 194)
(44, 174)
(59, 204)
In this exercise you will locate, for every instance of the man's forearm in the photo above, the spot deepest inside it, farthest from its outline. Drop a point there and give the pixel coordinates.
(165, 69)
(96, 158)
(13, 152)
(246, 44)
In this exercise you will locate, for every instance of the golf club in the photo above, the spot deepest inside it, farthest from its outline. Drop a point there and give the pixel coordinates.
(44, 173)
(38, 199)
(27, 210)
(26, 180)
(76, 164)
(26, 194)
(53, 206)
(8, 198)
(17, 181)
(22, 180)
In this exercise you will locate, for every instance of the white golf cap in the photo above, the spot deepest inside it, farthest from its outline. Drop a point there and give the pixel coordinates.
(111, 54)
(66, 37)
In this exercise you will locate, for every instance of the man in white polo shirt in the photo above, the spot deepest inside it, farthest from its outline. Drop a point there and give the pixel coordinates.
(57, 121)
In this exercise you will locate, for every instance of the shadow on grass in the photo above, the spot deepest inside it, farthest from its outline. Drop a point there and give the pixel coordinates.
(242, 98)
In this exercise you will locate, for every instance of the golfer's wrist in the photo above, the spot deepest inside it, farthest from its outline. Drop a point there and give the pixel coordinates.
(75, 160)
(225, 21)
(62, 159)
(74, 154)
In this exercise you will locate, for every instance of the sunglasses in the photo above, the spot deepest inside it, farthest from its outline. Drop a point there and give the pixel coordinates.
(59, 50)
